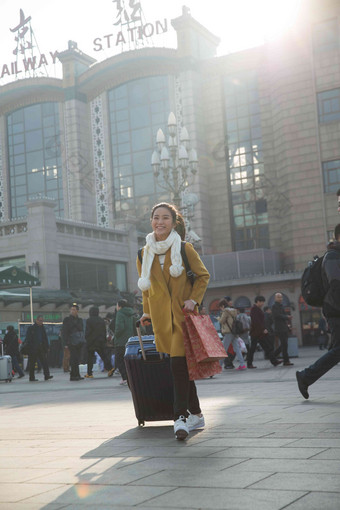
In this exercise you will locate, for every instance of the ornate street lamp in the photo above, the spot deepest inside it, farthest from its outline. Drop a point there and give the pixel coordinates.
(175, 165)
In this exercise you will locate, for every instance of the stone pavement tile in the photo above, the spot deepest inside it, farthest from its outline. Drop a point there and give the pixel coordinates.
(222, 499)
(31, 506)
(92, 475)
(307, 434)
(211, 463)
(19, 475)
(177, 451)
(301, 481)
(316, 501)
(268, 453)
(13, 492)
(245, 441)
(197, 477)
(317, 443)
(26, 452)
(99, 464)
(23, 462)
(329, 454)
(108, 452)
(73, 462)
(96, 495)
(289, 466)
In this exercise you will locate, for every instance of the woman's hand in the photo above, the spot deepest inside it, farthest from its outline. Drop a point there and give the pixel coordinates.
(189, 306)
(145, 319)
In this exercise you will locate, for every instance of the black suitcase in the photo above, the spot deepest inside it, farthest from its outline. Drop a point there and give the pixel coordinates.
(149, 379)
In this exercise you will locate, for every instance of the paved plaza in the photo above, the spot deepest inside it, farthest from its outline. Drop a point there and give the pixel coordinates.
(76, 445)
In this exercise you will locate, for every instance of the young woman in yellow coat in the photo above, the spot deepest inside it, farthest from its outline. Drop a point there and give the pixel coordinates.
(167, 292)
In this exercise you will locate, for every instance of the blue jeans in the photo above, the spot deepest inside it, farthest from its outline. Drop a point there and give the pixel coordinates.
(16, 366)
(328, 360)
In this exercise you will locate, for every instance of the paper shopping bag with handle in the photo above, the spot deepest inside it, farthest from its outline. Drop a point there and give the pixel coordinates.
(198, 370)
(205, 342)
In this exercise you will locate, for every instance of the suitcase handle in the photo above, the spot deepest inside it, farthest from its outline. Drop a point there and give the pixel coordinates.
(141, 342)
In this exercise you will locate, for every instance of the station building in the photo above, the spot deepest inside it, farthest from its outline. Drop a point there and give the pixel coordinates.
(77, 186)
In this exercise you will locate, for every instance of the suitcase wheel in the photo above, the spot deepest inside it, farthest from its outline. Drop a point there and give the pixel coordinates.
(141, 423)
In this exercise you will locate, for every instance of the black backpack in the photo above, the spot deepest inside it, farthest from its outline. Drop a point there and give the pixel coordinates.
(190, 274)
(237, 327)
(312, 288)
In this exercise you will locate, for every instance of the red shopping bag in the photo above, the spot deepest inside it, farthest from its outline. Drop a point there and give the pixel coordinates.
(198, 370)
(205, 342)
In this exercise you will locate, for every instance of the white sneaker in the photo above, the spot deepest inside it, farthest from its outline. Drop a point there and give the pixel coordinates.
(181, 428)
(195, 422)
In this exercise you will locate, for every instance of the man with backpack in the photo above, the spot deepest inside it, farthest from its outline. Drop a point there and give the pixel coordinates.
(330, 274)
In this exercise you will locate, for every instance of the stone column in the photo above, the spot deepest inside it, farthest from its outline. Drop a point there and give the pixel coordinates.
(42, 241)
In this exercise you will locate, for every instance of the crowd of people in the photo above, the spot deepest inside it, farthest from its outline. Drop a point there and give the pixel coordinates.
(81, 341)
(260, 327)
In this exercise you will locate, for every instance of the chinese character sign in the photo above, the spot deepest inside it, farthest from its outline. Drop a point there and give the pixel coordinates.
(21, 30)
(127, 14)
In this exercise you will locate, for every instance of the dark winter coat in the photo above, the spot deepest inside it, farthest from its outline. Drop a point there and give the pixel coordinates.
(36, 339)
(95, 331)
(70, 325)
(280, 318)
(257, 322)
(11, 344)
(124, 327)
(269, 323)
(331, 279)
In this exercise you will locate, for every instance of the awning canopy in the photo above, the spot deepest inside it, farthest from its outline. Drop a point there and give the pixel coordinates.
(62, 298)
(11, 277)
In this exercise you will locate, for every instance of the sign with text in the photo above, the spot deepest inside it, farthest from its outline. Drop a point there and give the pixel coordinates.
(27, 62)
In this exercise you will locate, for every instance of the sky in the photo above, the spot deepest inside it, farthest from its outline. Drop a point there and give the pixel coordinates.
(239, 24)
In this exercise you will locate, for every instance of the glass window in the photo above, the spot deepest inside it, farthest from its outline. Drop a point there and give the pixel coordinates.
(36, 147)
(32, 116)
(136, 111)
(79, 273)
(329, 105)
(331, 176)
(140, 117)
(244, 144)
(15, 261)
(34, 140)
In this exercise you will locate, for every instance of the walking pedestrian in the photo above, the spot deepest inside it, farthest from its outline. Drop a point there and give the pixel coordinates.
(281, 329)
(37, 348)
(245, 319)
(167, 292)
(73, 326)
(95, 335)
(269, 325)
(124, 329)
(11, 344)
(228, 316)
(258, 333)
(331, 309)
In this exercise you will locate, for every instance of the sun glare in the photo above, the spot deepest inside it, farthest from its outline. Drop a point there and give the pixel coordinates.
(249, 23)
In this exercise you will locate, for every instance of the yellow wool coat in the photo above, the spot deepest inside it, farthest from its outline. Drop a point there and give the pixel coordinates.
(164, 300)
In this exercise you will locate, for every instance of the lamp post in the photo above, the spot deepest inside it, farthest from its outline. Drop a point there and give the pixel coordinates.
(175, 163)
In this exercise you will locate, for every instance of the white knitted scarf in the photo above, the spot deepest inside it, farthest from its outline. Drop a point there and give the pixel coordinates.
(153, 248)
